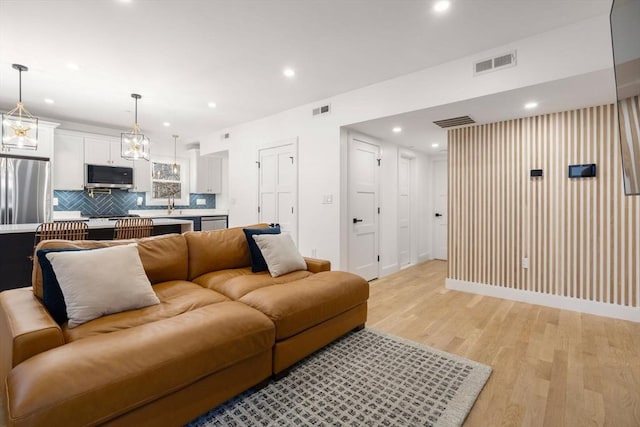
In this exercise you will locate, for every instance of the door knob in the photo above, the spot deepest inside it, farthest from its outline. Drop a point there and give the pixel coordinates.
(356, 220)
(438, 215)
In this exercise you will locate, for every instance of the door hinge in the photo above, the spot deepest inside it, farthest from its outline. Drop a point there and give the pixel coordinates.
(258, 163)
(378, 211)
(379, 161)
(291, 209)
(258, 209)
(378, 258)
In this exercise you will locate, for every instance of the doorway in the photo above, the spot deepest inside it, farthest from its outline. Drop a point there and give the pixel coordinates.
(363, 206)
(440, 193)
(278, 186)
(405, 210)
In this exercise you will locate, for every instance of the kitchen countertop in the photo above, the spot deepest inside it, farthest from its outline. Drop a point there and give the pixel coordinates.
(187, 225)
(150, 213)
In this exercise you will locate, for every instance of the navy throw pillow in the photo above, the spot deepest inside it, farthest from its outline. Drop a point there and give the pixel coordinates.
(257, 260)
(52, 296)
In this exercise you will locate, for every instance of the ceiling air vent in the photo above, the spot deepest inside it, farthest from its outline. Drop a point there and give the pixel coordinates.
(496, 63)
(455, 121)
(321, 110)
(225, 136)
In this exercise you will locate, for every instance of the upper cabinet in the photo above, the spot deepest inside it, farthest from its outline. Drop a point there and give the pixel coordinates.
(103, 150)
(68, 161)
(206, 173)
(45, 143)
(141, 176)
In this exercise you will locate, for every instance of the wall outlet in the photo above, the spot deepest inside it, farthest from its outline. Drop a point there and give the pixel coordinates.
(55, 201)
(525, 262)
(201, 202)
(327, 199)
(139, 201)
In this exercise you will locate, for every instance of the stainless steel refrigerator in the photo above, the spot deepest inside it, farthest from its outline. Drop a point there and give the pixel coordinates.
(25, 190)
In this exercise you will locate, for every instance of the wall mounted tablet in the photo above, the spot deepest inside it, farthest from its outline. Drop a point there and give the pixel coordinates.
(582, 171)
(536, 173)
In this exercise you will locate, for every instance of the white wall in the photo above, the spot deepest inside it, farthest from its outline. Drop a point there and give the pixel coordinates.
(580, 48)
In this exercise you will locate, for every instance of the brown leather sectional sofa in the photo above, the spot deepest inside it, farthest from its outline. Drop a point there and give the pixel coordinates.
(219, 329)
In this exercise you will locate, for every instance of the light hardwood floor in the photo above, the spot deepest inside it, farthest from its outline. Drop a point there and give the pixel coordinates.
(551, 367)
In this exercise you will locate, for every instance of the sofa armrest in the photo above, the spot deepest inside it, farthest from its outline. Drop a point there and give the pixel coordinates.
(316, 265)
(26, 329)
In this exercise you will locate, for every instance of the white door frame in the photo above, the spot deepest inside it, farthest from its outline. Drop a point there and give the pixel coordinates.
(435, 252)
(276, 144)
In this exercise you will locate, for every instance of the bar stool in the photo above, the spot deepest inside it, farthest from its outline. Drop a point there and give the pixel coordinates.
(67, 230)
(133, 228)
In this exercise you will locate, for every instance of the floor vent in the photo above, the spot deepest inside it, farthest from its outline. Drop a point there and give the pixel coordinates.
(494, 64)
(325, 109)
(455, 121)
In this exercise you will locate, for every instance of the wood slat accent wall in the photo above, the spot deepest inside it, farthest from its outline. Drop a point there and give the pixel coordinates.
(581, 235)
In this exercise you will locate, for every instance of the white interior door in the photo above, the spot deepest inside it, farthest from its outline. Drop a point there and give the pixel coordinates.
(440, 224)
(278, 188)
(363, 207)
(404, 211)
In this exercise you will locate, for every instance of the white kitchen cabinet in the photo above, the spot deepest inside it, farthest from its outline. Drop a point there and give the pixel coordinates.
(141, 176)
(45, 143)
(206, 173)
(105, 150)
(68, 161)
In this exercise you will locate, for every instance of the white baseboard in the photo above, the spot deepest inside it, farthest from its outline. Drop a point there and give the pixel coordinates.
(388, 269)
(425, 256)
(566, 303)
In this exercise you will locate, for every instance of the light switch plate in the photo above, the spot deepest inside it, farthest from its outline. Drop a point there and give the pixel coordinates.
(327, 199)
(55, 201)
(139, 201)
(201, 202)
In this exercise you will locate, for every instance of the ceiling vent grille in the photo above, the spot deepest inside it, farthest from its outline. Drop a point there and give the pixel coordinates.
(325, 109)
(494, 64)
(455, 121)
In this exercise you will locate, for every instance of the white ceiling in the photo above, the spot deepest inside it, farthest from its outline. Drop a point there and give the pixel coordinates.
(419, 132)
(181, 54)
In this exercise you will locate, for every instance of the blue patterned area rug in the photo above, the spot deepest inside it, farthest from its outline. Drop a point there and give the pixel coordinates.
(366, 378)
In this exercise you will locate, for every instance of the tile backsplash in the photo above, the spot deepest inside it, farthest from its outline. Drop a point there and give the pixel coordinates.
(119, 202)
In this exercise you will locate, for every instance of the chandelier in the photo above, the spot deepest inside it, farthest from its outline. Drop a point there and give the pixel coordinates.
(134, 145)
(19, 127)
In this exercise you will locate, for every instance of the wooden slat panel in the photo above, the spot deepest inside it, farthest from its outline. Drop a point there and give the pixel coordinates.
(580, 235)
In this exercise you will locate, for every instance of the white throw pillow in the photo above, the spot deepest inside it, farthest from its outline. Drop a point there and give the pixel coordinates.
(280, 253)
(102, 281)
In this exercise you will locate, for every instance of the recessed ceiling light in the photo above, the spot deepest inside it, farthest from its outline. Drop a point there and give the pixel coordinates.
(397, 129)
(435, 145)
(73, 66)
(289, 72)
(530, 105)
(125, 1)
(166, 124)
(49, 101)
(211, 104)
(441, 6)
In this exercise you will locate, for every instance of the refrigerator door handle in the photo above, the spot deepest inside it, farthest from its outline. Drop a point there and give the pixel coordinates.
(3, 190)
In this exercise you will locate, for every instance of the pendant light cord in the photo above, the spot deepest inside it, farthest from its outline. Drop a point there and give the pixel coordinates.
(136, 113)
(20, 86)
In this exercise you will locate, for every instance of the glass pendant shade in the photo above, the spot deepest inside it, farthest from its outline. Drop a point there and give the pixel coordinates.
(176, 168)
(19, 127)
(134, 145)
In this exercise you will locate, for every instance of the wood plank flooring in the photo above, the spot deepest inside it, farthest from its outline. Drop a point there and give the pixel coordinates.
(551, 367)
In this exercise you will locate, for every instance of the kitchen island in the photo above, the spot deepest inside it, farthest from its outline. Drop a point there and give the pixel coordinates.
(16, 245)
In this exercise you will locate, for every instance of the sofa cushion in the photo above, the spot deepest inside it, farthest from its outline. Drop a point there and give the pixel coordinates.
(163, 257)
(176, 297)
(101, 281)
(296, 306)
(240, 281)
(217, 250)
(52, 297)
(280, 254)
(92, 380)
(258, 263)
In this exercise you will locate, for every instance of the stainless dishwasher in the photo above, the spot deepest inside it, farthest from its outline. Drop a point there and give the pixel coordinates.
(213, 222)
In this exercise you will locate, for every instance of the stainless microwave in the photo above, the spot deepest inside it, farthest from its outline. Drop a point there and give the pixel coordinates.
(98, 176)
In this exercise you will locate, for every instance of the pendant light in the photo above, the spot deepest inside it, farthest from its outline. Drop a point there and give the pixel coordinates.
(19, 127)
(134, 145)
(176, 169)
